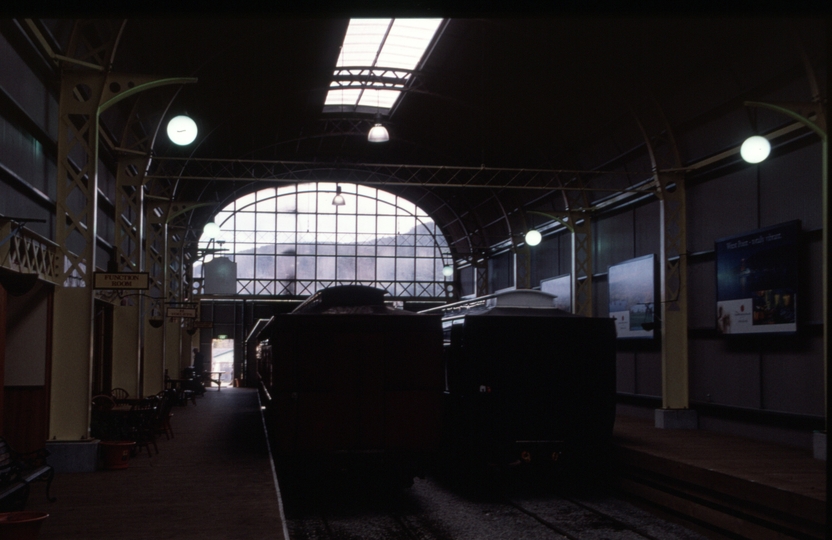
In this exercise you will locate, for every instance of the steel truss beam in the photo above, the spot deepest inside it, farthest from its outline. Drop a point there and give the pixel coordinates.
(398, 175)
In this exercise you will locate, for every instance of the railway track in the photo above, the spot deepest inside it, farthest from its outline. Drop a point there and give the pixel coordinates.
(431, 510)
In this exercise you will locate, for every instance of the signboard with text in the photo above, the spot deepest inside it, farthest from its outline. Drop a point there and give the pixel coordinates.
(121, 280)
(756, 280)
(188, 313)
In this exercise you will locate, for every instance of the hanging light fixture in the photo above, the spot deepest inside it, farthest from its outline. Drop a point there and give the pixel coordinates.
(211, 230)
(182, 130)
(755, 149)
(378, 133)
(338, 200)
(448, 270)
(533, 237)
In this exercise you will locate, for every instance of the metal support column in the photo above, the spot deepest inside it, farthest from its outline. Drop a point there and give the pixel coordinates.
(581, 264)
(673, 292)
(129, 236)
(75, 233)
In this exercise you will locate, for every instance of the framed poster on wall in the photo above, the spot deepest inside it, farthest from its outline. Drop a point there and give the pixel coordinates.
(561, 288)
(756, 280)
(633, 295)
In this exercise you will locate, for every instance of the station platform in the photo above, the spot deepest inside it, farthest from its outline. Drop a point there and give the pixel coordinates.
(730, 486)
(213, 480)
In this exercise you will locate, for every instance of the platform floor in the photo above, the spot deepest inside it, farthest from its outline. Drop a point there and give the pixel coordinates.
(782, 467)
(215, 479)
(717, 477)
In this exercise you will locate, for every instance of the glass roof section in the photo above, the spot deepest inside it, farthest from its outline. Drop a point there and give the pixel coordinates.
(377, 59)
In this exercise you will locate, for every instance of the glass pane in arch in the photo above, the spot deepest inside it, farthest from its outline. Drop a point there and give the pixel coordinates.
(376, 238)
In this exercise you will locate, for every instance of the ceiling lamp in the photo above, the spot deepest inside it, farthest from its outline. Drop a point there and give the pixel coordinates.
(211, 230)
(533, 237)
(755, 149)
(378, 133)
(182, 130)
(338, 200)
(448, 270)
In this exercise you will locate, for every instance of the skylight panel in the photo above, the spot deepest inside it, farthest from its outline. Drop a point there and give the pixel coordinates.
(341, 97)
(407, 42)
(387, 45)
(362, 42)
(383, 99)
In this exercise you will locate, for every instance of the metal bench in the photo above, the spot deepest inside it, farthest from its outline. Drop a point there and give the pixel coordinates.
(22, 468)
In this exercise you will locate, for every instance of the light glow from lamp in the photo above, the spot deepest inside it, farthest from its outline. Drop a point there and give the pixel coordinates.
(378, 133)
(338, 200)
(182, 130)
(448, 270)
(755, 149)
(533, 237)
(211, 230)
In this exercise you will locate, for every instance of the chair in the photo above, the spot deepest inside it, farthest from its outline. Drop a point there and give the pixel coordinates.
(141, 429)
(119, 393)
(103, 402)
(162, 422)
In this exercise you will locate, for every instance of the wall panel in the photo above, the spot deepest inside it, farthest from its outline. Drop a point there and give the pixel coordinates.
(21, 83)
(647, 229)
(22, 154)
(649, 373)
(613, 238)
(810, 303)
(721, 208)
(565, 254)
(625, 372)
(544, 260)
(702, 294)
(723, 377)
(789, 188)
(792, 381)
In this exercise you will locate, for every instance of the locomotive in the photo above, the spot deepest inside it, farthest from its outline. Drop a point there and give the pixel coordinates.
(351, 383)
(527, 384)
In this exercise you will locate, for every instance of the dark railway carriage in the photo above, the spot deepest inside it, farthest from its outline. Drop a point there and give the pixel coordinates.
(352, 383)
(528, 383)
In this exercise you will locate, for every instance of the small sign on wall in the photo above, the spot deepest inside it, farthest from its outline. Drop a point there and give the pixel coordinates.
(188, 313)
(121, 280)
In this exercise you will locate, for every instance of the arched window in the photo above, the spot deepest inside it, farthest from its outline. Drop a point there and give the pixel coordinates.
(294, 241)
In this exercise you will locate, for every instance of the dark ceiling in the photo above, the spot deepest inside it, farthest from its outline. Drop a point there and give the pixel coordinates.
(521, 93)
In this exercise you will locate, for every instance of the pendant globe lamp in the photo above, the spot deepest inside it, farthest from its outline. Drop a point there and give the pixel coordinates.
(378, 133)
(182, 130)
(755, 149)
(533, 237)
(211, 230)
(338, 200)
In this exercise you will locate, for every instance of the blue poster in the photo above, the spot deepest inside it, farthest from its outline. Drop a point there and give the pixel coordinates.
(756, 280)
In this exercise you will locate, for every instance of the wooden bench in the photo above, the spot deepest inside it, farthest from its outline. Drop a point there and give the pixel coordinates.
(22, 468)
